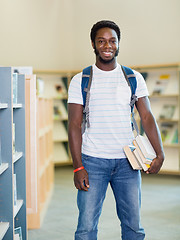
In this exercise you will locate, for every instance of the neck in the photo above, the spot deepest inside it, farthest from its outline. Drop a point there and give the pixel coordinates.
(106, 66)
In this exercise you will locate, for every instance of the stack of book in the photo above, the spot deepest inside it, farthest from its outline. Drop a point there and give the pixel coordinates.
(140, 154)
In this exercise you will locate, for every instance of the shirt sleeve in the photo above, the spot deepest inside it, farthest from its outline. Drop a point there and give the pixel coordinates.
(141, 90)
(74, 91)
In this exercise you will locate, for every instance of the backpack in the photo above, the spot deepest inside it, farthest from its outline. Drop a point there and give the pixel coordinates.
(85, 88)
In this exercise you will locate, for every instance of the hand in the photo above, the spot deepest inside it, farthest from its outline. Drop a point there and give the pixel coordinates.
(155, 165)
(81, 180)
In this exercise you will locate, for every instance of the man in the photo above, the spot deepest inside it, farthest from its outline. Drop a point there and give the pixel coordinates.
(98, 157)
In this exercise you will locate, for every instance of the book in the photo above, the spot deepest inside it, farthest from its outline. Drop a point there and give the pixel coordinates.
(131, 157)
(144, 160)
(18, 233)
(13, 136)
(60, 90)
(160, 86)
(167, 112)
(175, 136)
(144, 166)
(40, 87)
(169, 133)
(146, 147)
(15, 88)
(15, 190)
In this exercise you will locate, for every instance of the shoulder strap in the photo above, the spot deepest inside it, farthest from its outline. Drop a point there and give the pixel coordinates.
(85, 88)
(86, 84)
(132, 82)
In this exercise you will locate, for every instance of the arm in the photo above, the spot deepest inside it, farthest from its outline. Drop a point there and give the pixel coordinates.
(75, 114)
(152, 131)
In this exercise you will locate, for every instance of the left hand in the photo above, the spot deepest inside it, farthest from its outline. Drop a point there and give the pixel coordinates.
(155, 165)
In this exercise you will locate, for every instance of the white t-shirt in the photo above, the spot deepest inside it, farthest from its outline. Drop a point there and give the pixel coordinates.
(109, 111)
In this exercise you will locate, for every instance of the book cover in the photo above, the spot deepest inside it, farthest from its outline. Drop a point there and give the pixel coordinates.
(15, 190)
(15, 88)
(175, 136)
(143, 165)
(146, 147)
(18, 233)
(160, 86)
(144, 160)
(13, 136)
(169, 133)
(167, 112)
(131, 157)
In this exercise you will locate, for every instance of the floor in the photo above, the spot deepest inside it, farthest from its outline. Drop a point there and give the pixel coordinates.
(160, 210)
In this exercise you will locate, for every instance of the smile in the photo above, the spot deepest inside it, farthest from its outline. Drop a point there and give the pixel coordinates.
(107, 53)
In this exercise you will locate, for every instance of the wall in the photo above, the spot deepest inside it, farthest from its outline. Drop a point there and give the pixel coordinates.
(150, 29)
(36, 33)
(54, 34)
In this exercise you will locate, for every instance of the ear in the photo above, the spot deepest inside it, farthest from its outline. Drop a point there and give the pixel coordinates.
(92, 44)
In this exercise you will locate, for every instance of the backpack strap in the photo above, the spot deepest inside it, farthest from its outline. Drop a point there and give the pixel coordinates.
(132, 82)
(85, 88)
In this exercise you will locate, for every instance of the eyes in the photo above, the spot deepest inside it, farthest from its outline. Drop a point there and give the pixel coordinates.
(103, 41)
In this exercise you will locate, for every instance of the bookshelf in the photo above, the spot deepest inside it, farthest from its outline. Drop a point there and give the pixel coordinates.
(54, 84)
(12, 210)
(44, 176)
(168, 74)
(163, 83)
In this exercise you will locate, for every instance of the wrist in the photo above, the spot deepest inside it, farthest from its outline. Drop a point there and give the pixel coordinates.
(78, 169)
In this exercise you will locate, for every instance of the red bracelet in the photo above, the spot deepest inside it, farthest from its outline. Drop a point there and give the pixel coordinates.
(78, 169)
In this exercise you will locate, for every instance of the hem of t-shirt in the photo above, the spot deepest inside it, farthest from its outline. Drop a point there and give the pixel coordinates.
(143, 95)
(106, 156)
(76, 102)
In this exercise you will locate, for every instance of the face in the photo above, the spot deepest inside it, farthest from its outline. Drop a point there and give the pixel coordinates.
(106, 45)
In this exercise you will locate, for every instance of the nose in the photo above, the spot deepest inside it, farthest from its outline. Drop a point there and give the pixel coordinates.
(107, 44)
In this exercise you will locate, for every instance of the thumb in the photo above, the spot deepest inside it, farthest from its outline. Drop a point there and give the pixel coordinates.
(86, 182)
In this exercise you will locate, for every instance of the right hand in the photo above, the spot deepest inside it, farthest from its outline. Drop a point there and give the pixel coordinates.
(81, 180)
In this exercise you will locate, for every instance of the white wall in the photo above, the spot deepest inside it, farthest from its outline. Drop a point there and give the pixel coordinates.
(37, 33)
(150, 29)
(54, 34)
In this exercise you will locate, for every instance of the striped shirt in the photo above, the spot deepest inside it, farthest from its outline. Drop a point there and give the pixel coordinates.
(109, 111)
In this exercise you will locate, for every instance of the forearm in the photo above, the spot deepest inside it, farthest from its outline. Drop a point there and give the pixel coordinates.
(152, 131)
(75, 143)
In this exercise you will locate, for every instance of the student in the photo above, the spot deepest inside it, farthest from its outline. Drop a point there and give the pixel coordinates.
(98, 157)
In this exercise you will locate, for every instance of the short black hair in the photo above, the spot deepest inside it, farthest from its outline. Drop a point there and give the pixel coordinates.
(104, 24)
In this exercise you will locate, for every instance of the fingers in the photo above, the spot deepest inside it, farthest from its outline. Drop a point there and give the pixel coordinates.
(81, 180)
(155, 166)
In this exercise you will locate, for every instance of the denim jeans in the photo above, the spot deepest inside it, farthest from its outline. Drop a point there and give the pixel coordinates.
(126, 185)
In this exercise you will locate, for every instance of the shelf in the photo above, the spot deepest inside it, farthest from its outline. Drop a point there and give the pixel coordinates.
(3, 229)
(65, 118)
(61, 98)
(42, 170)
(164, 96)
(45, 130)
(177, 145)
(17, 156)
(8, 117)
(60, 140)
(17, 105)
(18, 207)
(163, 83)
(167, 120)
(3, 105)
(3, 167)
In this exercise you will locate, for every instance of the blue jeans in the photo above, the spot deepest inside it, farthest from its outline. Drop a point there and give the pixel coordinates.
(126, 185)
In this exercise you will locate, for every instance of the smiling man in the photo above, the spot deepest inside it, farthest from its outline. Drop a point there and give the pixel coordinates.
(98, 156)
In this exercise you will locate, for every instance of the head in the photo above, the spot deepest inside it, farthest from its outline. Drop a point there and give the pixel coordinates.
(104, 24)
(105, 37)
